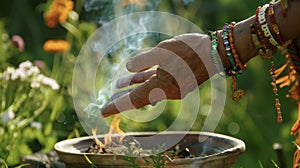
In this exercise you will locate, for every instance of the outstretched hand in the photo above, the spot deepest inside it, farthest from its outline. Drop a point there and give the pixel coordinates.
(183, 63)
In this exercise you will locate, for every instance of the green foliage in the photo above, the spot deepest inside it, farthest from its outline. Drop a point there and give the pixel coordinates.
(34, 118)
(7, 50)
(25, 94)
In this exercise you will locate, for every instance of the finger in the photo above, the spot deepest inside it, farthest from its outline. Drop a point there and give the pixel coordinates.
(117, 105)
(145, 60)
(147, 93)
(139, 77)
(120, 93)
(143, 95)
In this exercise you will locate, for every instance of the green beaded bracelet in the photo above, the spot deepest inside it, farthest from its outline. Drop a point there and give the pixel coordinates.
(215, 55)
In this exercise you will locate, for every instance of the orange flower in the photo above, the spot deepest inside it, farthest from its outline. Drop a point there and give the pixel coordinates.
(56, 46)
(58, 12)
(141, 3)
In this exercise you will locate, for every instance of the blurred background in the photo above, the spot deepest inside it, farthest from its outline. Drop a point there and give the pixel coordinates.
(253, 119)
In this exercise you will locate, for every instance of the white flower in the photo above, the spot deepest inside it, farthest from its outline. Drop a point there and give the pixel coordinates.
(36, 124)
(10, 70)
(40, 78)
(5, 76)
(8, 73)
(35, 84)
(50, 82)
(19, 74)
(33, 71)
(8, 116)
(47, 81)
(25, 65)
(55, 86)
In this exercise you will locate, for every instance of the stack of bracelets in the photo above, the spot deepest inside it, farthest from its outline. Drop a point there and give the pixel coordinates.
(262, 34)
(266, 38)
(236, 65)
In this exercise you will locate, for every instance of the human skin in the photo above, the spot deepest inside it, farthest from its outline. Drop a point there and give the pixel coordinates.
(176, 58)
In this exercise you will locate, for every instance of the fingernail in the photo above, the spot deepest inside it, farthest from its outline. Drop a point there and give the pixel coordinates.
(129, 65)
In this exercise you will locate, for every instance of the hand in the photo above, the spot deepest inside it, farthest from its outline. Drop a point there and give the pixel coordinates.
(183, 63)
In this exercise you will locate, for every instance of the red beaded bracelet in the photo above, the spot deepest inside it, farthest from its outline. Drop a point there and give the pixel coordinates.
(265, 28)
(268, 51)
(274, 25)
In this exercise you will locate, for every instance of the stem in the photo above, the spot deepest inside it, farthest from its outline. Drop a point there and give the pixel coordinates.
(78, 6)
(74, 31)
(15, 106)
(36, 113)
(55, 66)
(2, 88)
(3, 162)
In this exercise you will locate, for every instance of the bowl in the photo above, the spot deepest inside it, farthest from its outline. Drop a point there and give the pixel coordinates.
(210, 150)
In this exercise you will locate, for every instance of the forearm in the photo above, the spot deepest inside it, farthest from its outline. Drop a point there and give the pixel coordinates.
(289, 27)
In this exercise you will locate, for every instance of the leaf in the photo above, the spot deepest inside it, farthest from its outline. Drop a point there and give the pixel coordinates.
(275, 164)
(298, 147)
(3, 162)
(260, 164)
(23, 165)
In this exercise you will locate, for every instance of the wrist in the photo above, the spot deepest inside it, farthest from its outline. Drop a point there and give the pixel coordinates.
(222, 51)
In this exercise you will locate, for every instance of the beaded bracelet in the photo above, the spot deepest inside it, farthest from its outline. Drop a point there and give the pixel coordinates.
(234, 52)
(214, 54)
(268, 52)
(237, 94)
(264, 26)
(274, 25)
(225, 36)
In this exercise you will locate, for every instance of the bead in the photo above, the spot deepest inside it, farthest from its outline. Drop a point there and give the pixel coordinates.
(238, 94)
(234, 52)
(279, 119)
(277, 102)
(261, 14)
(274, 24)
(214, 54)
(265, 28)
(226, 42)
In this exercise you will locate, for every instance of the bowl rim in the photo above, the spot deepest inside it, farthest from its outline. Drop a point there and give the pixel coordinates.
(238, 145)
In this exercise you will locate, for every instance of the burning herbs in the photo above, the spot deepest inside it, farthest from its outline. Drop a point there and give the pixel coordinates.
(113, 138)
(116, 143)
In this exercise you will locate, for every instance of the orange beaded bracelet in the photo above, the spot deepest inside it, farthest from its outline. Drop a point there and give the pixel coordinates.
(233, 50)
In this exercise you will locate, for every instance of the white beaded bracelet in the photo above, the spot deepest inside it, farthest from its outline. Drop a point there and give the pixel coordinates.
(265, 28)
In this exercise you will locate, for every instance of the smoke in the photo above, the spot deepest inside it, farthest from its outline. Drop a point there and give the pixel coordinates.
(118, 38)
(103, 11)
(126, 31)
